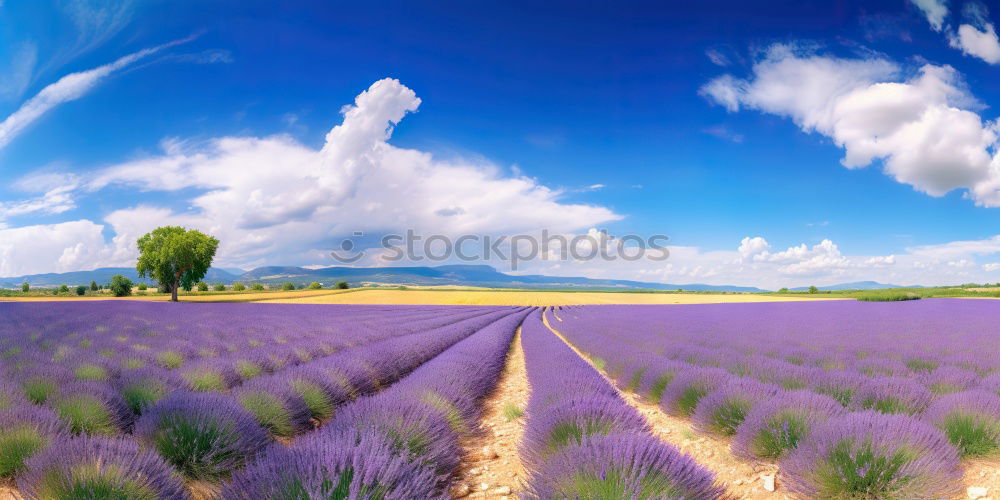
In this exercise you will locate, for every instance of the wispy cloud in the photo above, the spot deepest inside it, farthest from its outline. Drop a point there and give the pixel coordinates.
(69, 88)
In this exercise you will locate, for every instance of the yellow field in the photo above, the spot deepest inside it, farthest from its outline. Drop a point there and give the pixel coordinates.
(441, 296)
(523, 298)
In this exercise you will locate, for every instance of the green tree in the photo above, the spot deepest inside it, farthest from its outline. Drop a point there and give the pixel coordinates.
(813, 289)
(120, 286)
(257, 286)
(175, 257)
(219, 287)
(239, 287)
(25, 287)
(81, 290)
(202, 286)
(63, 289)
(93, 286)
(341, 285)
(288, 286)
(315, 285)
(142, 287)
(783, 290)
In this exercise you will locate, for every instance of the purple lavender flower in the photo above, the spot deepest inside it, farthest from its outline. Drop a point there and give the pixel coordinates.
(683, 394)
(87, 467)
(144, 386)
(873, 455)
(203, 435)
(723, 410)
(948, 379)
(892, 395)
(970, 419)
(839, 385)
(622, 465)
(776, 426)
(339, 466)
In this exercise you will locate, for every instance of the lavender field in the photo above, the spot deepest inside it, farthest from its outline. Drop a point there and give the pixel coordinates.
(248, 401)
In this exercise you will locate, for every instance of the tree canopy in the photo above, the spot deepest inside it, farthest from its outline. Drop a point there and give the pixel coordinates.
(175, 257)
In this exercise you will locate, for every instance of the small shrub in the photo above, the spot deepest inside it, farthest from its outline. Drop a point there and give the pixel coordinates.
(258, 287)
(219, 287)
(142, 287)
(315, 285)
(239, 287)
(202, 286)
(288, 286)
(341, 285)
(81, 290)
(63, 289)
(121, 286)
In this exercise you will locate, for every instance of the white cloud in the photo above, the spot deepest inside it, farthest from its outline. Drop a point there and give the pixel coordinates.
(751, 247)
(921, 129)
(934, 10)
(68, 88)
(992, 266)
(275, 200)
(67, 246)
(982, 43)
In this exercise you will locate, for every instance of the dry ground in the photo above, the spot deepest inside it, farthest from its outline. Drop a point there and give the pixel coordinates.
(524, 298)
(490, 465)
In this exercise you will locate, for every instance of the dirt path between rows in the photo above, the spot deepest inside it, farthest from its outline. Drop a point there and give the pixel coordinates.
(742, 479)
(747, 479)
(490, 465)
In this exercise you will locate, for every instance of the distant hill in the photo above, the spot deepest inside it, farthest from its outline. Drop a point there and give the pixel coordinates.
(857, 285)
(459, 275)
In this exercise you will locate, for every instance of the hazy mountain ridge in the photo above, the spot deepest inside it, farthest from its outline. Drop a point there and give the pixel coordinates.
(467, 275)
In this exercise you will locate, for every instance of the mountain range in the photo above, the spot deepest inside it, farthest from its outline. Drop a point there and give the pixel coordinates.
(459, 275)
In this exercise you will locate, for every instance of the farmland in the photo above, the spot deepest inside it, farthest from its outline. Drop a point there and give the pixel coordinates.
(244, 400)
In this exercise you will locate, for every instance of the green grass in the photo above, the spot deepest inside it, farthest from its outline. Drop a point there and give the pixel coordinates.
(207, 381)
(659, 385)
(319, 404)
(573, 432)
(170, 359)
(511, 412)
(269, 412)
(90, 372)
(16, 445)
(614, 485)
(781, 435)
(974, 435)
(94, 480)
(248, 369)
(143, 394)
(38, 389)
(729, 415)
(689, 399)
(863, 473)
(195, 447)
(86, 414)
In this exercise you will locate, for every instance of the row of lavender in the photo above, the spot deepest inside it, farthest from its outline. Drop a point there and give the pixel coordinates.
(583, 441)
(207, 435)
(835, 429)
(402, 442)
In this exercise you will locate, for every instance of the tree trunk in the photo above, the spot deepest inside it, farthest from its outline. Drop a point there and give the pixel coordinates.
(173, 291)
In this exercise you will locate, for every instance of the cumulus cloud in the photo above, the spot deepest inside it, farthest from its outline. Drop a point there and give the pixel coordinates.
(68, 88)
(274, 200)
(977, 42)
(922, 129)
(66, 246)
(934, 10)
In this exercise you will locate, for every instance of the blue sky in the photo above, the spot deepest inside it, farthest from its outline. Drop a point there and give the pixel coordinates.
(714, 123)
